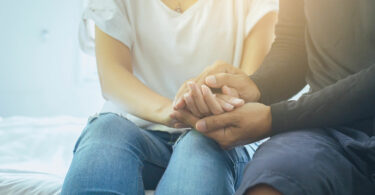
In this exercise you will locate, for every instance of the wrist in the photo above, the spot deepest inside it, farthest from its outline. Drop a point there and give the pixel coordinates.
(254, 94)
(161, 113)
(268, 120)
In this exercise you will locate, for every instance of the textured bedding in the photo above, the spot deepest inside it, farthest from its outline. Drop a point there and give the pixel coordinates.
(35, 153)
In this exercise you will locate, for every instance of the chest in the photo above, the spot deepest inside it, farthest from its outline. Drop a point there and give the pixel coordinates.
(203, 28)
(179, 5)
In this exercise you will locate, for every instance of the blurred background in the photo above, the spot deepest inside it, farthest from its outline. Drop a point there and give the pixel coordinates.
(42, 70)
(48, 88)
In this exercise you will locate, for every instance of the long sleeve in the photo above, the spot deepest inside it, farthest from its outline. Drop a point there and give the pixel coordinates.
(349, 101)
(283, 72)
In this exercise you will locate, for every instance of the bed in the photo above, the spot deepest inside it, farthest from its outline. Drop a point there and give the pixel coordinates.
(35, 153)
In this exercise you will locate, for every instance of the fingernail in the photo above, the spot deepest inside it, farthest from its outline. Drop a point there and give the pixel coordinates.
(204, 89)
(191, 84)
(228, 106)
(237, 101)
(211, 80)
(225, 88)
(201, 125)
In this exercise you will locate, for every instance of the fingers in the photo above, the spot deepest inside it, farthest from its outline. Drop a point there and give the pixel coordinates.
(190, 105)
(179, 104)
(230, 91)
(236, 102)
(215, 122)
(184, 117)
(222, 79)
(211, 101)
(181, 125)
(225, 105)
(196, 95)
(224, 137)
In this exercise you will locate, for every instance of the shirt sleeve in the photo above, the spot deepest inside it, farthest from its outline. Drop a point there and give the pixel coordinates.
(257, 9)
(346, 102)
(283, 71)
(111, 17)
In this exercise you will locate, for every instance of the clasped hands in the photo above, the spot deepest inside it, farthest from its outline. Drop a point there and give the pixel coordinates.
(221, 103)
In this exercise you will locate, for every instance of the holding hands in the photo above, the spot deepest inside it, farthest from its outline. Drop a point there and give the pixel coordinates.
(228, 116)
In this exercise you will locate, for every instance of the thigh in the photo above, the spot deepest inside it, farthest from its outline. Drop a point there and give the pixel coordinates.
(305, 162)
(199, 166)
(111, 154)
(113, 131)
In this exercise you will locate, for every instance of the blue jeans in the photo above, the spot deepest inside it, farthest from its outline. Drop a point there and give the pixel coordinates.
(114, 156)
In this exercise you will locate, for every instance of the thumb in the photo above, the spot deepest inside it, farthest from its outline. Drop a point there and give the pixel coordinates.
(222, 79)
(230, 91)
(214, 122)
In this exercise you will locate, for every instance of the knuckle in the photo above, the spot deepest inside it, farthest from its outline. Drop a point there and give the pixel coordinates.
(216, 111)
(194, 95)
(207, 113)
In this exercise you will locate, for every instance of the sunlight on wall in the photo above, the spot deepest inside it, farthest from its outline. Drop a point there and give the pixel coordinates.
(42, 70)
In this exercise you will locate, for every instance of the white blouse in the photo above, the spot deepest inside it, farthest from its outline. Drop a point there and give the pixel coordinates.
(167, 47)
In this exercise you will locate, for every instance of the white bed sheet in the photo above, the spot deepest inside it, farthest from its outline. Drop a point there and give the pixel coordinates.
(35, 153)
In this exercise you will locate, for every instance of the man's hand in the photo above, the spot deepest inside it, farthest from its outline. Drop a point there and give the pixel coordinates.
(235, 84)
(244, 125)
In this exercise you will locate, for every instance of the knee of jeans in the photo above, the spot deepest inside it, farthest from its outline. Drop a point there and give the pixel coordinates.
(110, 130)
(195, 145)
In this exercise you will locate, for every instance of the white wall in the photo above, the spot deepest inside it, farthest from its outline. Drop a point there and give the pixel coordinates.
(40, 70)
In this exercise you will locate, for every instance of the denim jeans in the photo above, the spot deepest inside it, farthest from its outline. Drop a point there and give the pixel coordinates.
(114, 156)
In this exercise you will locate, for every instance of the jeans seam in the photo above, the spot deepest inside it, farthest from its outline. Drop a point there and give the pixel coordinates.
(180, 137)
(237, 172)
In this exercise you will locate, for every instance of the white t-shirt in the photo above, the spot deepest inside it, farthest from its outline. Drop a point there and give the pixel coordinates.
(167, 47)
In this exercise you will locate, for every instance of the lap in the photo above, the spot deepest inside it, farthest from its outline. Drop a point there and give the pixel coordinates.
(113, 153)
(199, 166)
(113, 131)
(316, 161)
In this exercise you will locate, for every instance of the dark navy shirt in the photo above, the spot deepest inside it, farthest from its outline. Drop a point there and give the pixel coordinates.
(330, 45)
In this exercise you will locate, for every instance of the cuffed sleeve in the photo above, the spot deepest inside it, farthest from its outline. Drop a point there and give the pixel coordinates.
(111, 17)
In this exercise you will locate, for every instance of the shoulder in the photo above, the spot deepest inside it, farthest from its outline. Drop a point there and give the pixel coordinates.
(259, 4)
(107, 4)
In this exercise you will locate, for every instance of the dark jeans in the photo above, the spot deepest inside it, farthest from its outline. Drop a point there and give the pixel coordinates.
(315, 162)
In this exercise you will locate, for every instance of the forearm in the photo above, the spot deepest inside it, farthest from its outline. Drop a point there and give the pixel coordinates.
(124, 89)
(120, 86)
(283, 71)
(346, 102)
(258, 43)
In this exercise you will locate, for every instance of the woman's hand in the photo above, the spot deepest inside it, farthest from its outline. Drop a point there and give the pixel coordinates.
(200, 98)
(165, 115)
(218, 67)
(201, 102)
